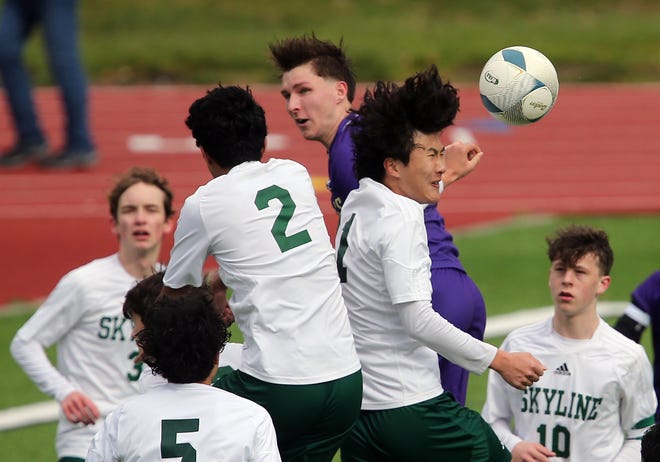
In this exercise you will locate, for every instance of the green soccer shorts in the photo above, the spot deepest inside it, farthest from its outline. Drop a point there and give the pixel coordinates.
(311, 421)
(438, 429)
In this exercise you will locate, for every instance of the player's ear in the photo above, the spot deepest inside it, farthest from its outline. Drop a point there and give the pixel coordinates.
(391, 166)
(341, 91)
(169, 225)
(603, 284)
(114, 226)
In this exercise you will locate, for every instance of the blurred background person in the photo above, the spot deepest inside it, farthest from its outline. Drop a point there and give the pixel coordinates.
(83, 316)
(59, 22)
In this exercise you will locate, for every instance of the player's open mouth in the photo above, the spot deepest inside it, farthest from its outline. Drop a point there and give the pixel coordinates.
(301, 121)
(141, 234)
(565, 295)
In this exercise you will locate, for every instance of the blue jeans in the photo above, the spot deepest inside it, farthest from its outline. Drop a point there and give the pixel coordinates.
(60, 26)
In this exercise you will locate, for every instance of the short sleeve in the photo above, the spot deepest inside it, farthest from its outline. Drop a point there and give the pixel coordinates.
(190, 250)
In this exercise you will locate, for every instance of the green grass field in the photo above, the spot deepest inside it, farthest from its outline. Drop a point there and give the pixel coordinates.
(206, 41)
(508, 262)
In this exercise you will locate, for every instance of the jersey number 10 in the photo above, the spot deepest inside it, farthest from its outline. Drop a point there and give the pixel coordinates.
(561, 439)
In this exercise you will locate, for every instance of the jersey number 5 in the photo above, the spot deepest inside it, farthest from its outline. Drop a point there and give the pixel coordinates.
(278, 230)
(169, 430)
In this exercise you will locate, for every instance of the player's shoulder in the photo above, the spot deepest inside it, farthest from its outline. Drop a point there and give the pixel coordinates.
(277, 162)
(655, 276)
(651, 283)
(96, 264)
(377, 197)
(619, 345)
(234, 404)
(100, 267)
(530, 334)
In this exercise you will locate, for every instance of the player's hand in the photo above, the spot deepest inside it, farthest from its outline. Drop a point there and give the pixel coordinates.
(226, 314)
(460, 159)
(219, 290)
(526, 451)
(78, 408)
(519, 369)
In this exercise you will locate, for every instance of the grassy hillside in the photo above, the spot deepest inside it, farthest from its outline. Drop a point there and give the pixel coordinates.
(206, 41)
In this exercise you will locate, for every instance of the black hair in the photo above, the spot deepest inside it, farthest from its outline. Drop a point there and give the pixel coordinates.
(229, 125)
(182, 336)
(651, 444)
(142, 297)
(390, 115)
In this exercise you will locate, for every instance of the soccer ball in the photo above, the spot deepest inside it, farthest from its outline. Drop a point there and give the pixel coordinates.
(518, 85)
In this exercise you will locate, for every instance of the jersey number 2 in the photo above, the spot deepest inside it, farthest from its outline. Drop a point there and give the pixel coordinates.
(169, 430)
(278, 230)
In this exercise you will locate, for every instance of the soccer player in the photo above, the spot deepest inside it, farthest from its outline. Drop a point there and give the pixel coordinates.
(142, 298)
(83, 316)
(318, 85)
(596, 399)
(262, 224)
(384, 264)
(643, 311)
(186, 418)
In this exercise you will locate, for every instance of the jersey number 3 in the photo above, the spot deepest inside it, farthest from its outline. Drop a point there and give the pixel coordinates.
(278, 230)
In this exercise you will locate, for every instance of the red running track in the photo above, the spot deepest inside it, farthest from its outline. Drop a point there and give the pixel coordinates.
(598, 151)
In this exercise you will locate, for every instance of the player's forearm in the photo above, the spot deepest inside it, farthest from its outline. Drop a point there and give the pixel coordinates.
(30, 355)
(504, 433)
(429, 328)
(633, 322)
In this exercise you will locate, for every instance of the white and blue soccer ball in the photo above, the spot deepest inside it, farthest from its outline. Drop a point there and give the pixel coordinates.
(518, 85)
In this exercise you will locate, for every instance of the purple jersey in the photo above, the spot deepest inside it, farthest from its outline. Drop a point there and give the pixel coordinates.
(455, 296)
(341, 159)
(442, 250)
(646, 297)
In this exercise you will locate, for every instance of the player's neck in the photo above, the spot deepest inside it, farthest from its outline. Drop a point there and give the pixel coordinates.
(327, 140)
(579, 327)
(139, 266)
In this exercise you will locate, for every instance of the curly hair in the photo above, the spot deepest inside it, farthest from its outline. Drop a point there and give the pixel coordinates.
(327, 59)
(570, 244)
(142, 297)
(651, 444)
(182, 336)
(229, 125)
(390, 115)
(140, 175)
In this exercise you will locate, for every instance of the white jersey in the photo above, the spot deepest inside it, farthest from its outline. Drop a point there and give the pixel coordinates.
(191, 419)
(95, 352)
(594, 394)
(383, 258)
(263, 225)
